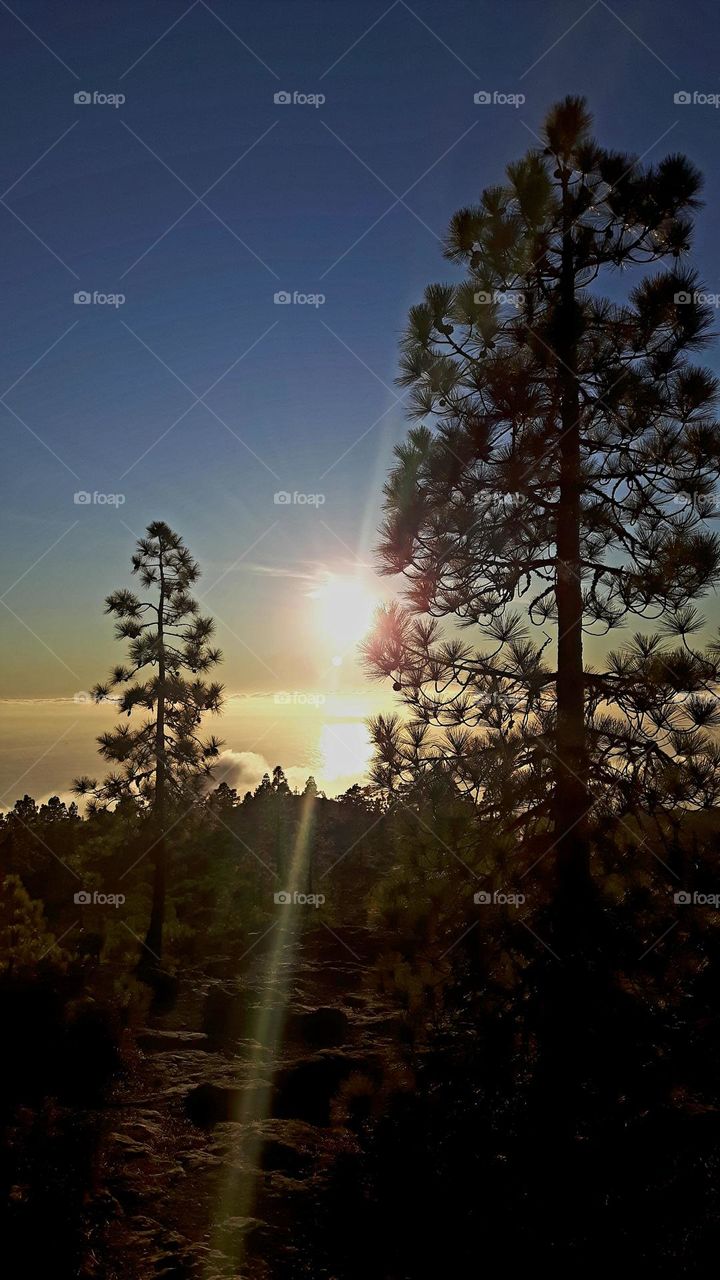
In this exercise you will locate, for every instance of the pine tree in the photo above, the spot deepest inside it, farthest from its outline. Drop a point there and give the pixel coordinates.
(564, 489)
(25, 940)
(162, 761)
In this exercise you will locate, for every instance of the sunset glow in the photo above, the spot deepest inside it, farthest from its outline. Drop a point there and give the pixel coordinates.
(345, 608)
(360, 629)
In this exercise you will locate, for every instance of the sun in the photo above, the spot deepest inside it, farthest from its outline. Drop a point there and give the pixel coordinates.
(345, 608)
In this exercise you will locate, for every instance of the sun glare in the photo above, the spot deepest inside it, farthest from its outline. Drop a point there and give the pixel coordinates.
(345, 609)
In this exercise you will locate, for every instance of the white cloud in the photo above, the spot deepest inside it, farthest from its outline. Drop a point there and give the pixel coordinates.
(243, 770)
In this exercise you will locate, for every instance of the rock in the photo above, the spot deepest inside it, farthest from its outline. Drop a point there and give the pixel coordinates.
(106, 1205)
(149, 1130)
(209, 1104)
(164, 985)
(151, 1040)
(225, 1015)
(281, 1157)
(199, 1161)
(323, 1028)
(241, 1228)
(305, 1091)
(374, 1026)
(355, 1001)
(130, 1148)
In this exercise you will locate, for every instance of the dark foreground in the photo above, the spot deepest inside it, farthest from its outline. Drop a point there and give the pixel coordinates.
(284, 1125)
(406, 1082)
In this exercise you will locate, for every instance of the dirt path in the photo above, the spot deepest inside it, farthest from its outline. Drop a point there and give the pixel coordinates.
(227, 1127)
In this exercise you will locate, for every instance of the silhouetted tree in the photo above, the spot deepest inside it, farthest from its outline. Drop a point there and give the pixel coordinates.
(280, 819)
(223, 799)
(38, 844)
(279, 781)
(572, 468)
(163, 760)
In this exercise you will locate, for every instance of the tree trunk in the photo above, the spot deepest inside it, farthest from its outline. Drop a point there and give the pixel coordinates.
(154, 936)
(571, 800)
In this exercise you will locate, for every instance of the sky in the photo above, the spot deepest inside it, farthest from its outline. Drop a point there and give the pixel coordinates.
(183, 390)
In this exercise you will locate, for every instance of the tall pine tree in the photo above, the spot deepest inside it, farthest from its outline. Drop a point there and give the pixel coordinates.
(562, 488)
(162, 761)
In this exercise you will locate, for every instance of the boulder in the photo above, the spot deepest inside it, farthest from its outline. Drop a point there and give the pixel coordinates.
(277, 1156)
(209, 1103)
(151, 1040)
(305, 1090)
(322, 1028)
(225, 1015)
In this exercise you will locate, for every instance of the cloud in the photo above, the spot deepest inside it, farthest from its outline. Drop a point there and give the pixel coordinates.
(314, 571)
(281, 571)
(243, 770)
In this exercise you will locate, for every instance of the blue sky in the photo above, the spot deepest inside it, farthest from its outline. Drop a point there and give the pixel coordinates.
(346, 199)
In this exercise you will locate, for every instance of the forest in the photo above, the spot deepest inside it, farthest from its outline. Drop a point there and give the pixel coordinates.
(468, 1008)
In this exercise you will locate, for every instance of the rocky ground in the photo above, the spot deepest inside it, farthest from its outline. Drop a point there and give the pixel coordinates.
(241, 1099)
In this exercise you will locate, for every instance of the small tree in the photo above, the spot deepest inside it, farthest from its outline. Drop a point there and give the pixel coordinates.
(572, 468)
(162, 761)
(278, 814)
(25, 940)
